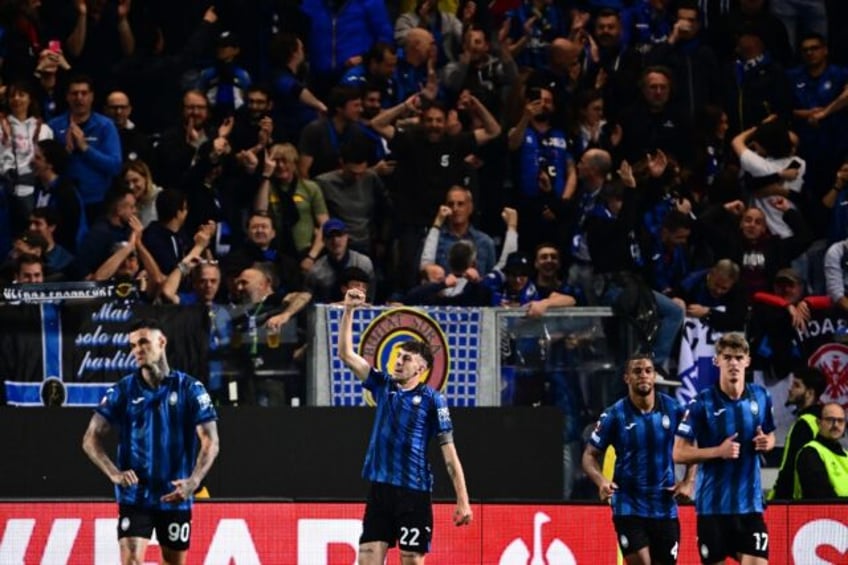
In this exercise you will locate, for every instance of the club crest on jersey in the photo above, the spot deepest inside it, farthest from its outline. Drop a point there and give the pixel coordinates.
(755, 407)
(380, 341)
(172, 399)
(666, 422)
(416, 400)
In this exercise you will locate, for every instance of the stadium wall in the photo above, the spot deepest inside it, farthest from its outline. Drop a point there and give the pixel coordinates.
(305, 453)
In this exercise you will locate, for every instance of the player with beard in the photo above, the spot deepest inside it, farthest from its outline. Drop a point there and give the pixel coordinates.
(408, 415)
(167, 442)
(643, 490)
(725, 430)
(807, 386)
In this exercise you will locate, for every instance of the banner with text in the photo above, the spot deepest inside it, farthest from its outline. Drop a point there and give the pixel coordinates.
(327, 534)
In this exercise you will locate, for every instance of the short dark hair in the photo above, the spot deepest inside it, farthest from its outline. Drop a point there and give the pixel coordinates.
(118, 192)
(341, 95)
(168, 204)
(355, 151)
(813, 379)
(419, 347)
(676, 220)
(378, 52)
(282, 47)
(608, 13)
(461, 256)
(146, 324)
(350, 274)
(27, 259)
(262, 88)
(55, 154)
(637, 357)
(80, 78)
(50, 215)
(812, 35)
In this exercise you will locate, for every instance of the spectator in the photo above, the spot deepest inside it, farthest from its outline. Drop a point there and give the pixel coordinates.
(751, 14)
(100, 36)
(452, 224)
(477, 70)
(670, 258)
(355, 195)
(55, 190)
(118, 223)
(339, 35)
(137, 175)
(295, 203)
(58, 261)
(462, 286)
(819, 91)
(654, 123)
(29, 269)
(694, 65)
(741, 235)
(267, 330)
(616, 72)
(354, 277)
(323, 138)
(178, 148)
(323, 280)
(822, 463)
(378, 69)
(836, 274)
(131, 263)
(263, 246)
(772, 170)
(617, 263)
(715, 297)
(546, 173)
(429, 161)
(416, 68)
(253, 126)
(590, 129)
(225, 83)
(755, 85)
(20, 131)
(29, 242)
(533, 25)
(93, 143)
(440, 24)
(135, 145)
(776, 318)
(512, 286)
(552, 291)
(164, 238)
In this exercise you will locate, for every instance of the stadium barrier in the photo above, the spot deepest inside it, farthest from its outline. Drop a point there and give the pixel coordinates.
(326, 533)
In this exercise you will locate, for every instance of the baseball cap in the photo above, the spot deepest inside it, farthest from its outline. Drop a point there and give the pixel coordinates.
(226, 39)
(788, 275)
(517, 263)
(333, 225)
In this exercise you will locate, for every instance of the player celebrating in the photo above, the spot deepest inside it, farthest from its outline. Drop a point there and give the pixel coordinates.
(643, 490)
(408, 415)
(162, 415)
(724, 430)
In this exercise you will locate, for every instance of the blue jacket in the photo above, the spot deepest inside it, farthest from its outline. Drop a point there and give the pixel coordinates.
(93, 170)
(335, 37)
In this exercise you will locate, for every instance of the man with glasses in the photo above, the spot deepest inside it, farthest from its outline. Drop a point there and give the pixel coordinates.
(822, 466)
(178, 147)
(724, 431)
(819, 92)
(135, 145)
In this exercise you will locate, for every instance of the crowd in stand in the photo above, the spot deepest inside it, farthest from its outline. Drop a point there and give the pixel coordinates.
(278, 152)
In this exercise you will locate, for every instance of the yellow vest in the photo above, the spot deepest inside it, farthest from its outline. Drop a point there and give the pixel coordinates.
(837, 469)
(811, 421)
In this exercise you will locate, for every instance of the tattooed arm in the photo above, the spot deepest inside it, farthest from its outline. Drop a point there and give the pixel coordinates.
(462, 515)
